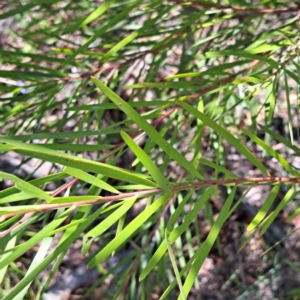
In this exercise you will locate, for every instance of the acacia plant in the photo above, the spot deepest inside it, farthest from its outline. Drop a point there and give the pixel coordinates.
(118, 121)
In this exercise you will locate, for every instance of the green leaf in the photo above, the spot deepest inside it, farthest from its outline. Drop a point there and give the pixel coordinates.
(16, 197)
(203, 251)
(160, 141)
(173, 283)
(73, 199)
(288, 196)
(26, 187)
(289, 109)
(8, 250)
(75, 162)
(106, 106)
(132, 227)
(90, 179)
(23, 248)
(178, 231)
(239, 53)
(272, 152)
(156, 174)
(218, 168)
(265, 208)
(225, 134)
(263, 48)
(128, 39)
(91, 17)
(106, 224)
(292, 75)
(217, 70)
(39, 257)
(61, 248)
(19, 10)
(281, 139)
(293, 215)
(241, 80)
(271, 97)
(76, 148)
(175, 268)
(63, 135)
(179, 210)
(118, 17)
(36, 182)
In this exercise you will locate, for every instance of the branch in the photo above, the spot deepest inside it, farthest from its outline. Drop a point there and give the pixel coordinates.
(241, 10)
(176, 188)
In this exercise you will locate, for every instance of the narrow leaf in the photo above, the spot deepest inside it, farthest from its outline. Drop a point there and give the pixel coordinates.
(265, 208)
(151, 167)
(203, 251)
(175, 268)
(23, 248)
(39, 257)
(90, 179)
(75, 162)
(288, 196)
(225, 134)
(106, 224)
(26, 186)
(147, 128)
(177, 232)
(272, 152)
(132, 227)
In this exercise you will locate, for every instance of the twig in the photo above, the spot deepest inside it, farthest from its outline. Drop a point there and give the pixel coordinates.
(174, 189)
(28, 215)
(241, 10)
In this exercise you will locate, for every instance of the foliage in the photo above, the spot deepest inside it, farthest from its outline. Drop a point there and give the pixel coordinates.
(180, 85)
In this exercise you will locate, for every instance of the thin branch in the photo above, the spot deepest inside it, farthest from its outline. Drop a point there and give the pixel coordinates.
(144, 193)
(241, 10)
(237, 181)
(47, 207)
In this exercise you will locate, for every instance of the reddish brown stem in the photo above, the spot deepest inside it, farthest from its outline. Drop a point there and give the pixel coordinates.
(175, 188)
(242, 10)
